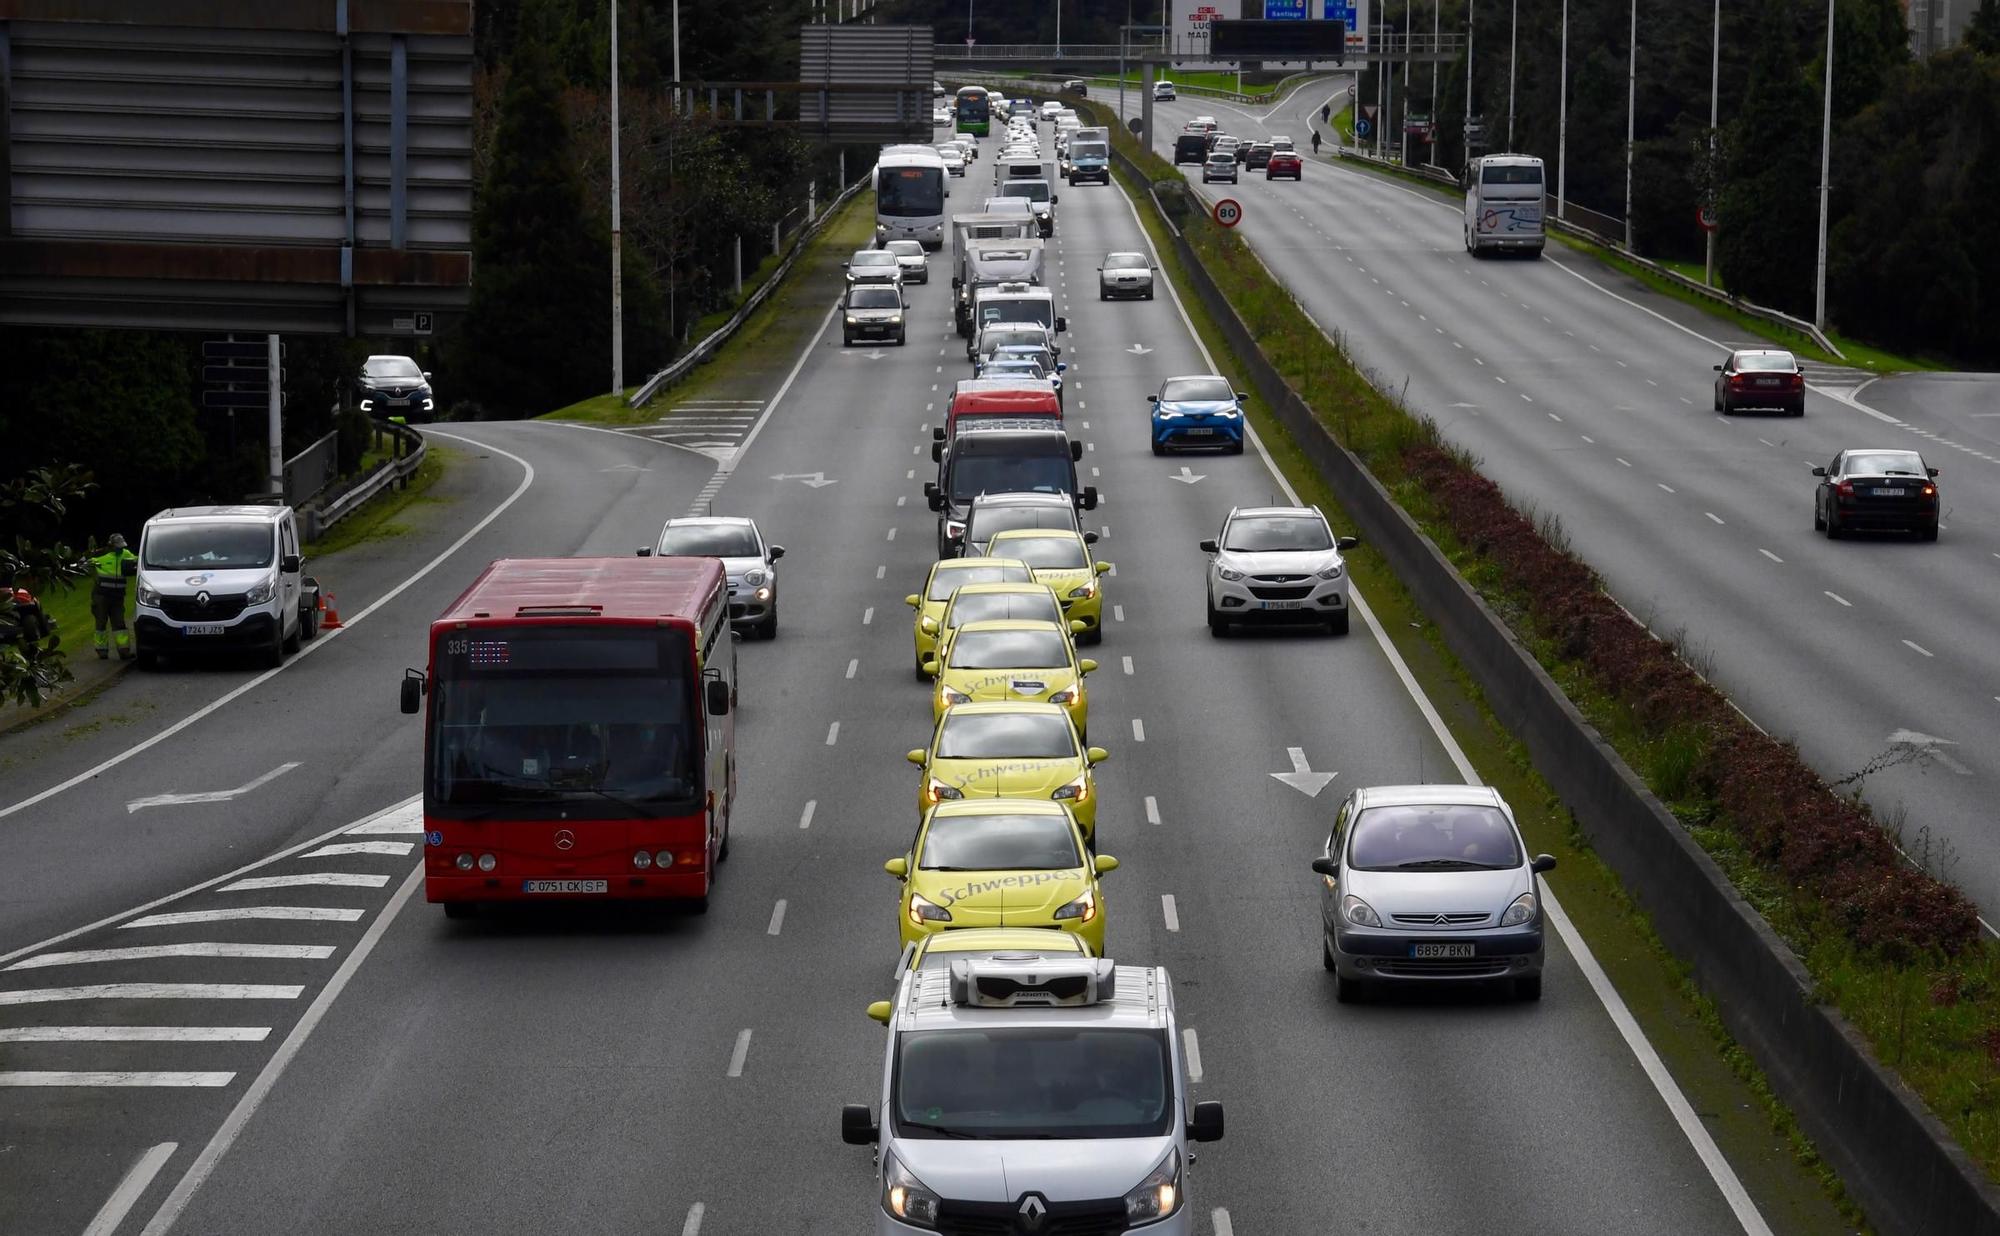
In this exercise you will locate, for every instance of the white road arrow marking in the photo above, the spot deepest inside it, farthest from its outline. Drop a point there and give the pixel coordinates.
(1138, 349)
(209, 796)
(814, 479)
(1928, 745)
(1187, 476)
(1302, 778)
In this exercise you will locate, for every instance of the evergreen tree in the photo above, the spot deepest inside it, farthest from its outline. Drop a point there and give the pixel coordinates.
(1768, 240)
(1982, 33)
(536, 336)
(1870, 41)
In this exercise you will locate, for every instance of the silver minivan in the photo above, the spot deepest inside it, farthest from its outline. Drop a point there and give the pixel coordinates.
(222, 578)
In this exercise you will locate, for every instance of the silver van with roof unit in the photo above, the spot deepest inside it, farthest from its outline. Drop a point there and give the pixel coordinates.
(221, 579)
(1033, 1094)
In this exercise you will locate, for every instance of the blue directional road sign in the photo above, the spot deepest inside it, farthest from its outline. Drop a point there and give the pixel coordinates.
(1363, 127)
(1340, 10)
(1284, 10)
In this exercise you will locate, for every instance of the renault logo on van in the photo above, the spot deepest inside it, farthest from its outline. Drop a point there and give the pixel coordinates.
(565, 839)
(1032, 1211)
(201, 599)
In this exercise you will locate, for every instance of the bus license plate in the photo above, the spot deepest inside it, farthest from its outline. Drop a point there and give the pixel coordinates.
(207, 628)
(1441, 950)
(564, 886)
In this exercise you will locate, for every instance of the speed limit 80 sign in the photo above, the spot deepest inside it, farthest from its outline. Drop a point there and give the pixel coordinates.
(1228, 212)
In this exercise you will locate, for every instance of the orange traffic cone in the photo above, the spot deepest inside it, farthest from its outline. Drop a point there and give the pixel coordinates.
(329, 616)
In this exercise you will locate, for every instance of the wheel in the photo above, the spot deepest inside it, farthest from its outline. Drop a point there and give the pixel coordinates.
(1337, 625)
(1092, 637)
(1103, 295)
(290, 643)
(1236, 448)
(1819, 520)
(1158, 447)
(1715, 401)
(722, 853)
(1325, 952)
(921, 675)
(768, 629)
(1833, 529)
(309, 623)
(148, 660)
(1928, 534)
(1149, 293)
(274, 656)
(460, 910)
(1218, 626)
(902, 338)
(1528, 989)
(698, 905)
(1346, 990)
(846, 340)
(1800, 410)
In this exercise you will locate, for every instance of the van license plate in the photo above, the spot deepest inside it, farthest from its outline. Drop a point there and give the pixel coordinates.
(1441, 950)
(207, 628)
(564, 886)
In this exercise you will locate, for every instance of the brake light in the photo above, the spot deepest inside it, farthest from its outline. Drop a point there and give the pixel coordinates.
(1930, 491)
(1739, 379)
(1846, 489)
(1798, 381)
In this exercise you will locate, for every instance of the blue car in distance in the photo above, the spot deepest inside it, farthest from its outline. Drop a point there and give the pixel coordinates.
(1198, 410)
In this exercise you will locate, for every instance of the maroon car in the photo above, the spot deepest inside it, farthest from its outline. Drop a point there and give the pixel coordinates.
(1285, 163)
(1760, 378)
(1881, 490)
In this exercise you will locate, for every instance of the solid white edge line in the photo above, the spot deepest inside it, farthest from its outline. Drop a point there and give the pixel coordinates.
(1719, 1169)
(246, 1107)
(204, 886)
(326, 638)
(130, 1189)
(105, 1079)
(135, 1034)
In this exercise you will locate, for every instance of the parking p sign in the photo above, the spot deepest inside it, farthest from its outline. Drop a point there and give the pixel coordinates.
(1229, 212)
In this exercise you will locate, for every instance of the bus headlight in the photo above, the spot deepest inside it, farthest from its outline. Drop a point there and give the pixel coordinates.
(463, 862)
(642, 860)
(487, 862)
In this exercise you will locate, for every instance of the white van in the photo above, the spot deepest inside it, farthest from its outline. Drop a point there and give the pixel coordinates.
(222, 579)
(1026, 1093)
(1503, 205)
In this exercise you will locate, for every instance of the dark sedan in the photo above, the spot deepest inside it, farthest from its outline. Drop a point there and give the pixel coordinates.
(1878, 490)
(1760, 378)
(1255, 156)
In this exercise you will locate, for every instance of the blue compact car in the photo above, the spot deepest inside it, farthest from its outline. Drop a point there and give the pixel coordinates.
(1199, 410)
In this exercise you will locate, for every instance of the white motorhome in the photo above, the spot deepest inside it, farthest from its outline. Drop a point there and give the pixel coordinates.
(989, 263)
(1503, 205)
(909, 195)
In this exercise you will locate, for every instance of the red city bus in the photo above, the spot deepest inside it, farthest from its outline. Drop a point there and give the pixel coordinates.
(579, 742)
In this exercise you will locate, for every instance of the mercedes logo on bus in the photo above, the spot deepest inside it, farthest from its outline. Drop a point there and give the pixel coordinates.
(565, 839)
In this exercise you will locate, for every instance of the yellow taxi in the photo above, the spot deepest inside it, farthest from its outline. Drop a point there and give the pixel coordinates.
(985, 602)
(946, 577)
(1017, 660)
(1061, 560)
(941, 948)
(1028, 751)
(1001, 864)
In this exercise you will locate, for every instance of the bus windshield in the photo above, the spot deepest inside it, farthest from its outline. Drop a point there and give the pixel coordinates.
(910, 192)
(548, 721)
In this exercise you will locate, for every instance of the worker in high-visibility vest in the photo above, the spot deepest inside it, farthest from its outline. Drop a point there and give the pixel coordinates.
(111, 569)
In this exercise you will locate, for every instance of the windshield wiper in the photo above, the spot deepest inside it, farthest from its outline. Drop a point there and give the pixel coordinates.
(1442, 864)
(943, 1131)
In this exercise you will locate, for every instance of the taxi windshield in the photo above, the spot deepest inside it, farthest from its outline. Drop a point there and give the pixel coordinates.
(1042, 1082)
(993, 736)
(999, 843)
(1010, 650)
(1050, 553)
(949, 577)
(987, 606)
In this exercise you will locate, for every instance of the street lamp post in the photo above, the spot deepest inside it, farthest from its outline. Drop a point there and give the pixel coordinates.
(1562, 121)
(1825, 172)
(1471, 23)
(617, 264)
(1714, 118)
(1513, 44)
(1631, 114)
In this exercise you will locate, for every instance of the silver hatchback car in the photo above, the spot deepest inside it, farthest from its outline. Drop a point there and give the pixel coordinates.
(750, 562)
(1430, 883)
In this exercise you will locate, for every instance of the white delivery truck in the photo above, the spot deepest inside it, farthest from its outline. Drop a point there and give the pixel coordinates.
(1503, 205)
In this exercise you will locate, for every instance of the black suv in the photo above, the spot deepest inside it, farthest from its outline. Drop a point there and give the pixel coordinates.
(393, 386)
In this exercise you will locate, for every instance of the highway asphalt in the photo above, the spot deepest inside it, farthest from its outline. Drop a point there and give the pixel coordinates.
(363, 1066)
(1588, 398)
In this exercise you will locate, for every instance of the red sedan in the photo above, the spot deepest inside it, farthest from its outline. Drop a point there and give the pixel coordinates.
(1285, 163)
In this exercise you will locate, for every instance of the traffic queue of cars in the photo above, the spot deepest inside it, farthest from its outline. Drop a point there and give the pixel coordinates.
(1223, 157)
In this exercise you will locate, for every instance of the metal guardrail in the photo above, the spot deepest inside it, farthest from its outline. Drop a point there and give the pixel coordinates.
(312, 469)
(1776, 317)
(398, 471)
(700, 352)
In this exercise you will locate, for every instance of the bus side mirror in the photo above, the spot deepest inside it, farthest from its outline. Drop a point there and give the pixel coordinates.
(413, 691)
(718, 698)
(857, 1121)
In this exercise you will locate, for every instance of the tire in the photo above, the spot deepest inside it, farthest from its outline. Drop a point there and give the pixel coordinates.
(149, 660)
(1528, 990)
(1819, 521)
(1218, 626)
(1714, 401)
(1103, 295)
(919, 670)
(1091, 638)
(309, 623)
(1158, 449)
(846, 341)
(1236, 448)
(459, 911)
(1834, 531)
(1338, 624)
(291, 643)
(1149, 293)
(1928, 534)
(768, 629)
(1325, 952)
(274, 656)
(697, 905)
(1800, 410)
(1346, 990)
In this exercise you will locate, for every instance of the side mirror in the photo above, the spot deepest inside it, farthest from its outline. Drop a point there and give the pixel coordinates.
(1240, 395)
(291, 564)
(1105, 863)
(915, 757)
(937, 433)
(1086, 666)
(1097, 755)
(930, 663)
(1090, 538)
(1076, 452)
(1543, 862)
(427, 375)
(878, 1011)
(1346, 542)
(1209, 546)
(777, 552)
(1327, 866)
(1932, 472)
(857, 1121)
(644, 551)
(1100, 567)
(1054, 198)
(1089, 497)
(1077, 627)
(1152, 399)
(412, 698)
(914, 601)
(1205, 1127)
(1822, 472)
(843, 266)
(955, 281)
(898, 867)
(718, 698)
(1062, 324)
(1717, 368)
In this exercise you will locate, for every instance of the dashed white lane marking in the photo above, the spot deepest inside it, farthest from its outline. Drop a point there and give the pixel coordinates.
(742, 1051)
(1169, 913)
(1530, 399)
(1624, 462)
(833, 733)
(135, 1034)
(777, 918)
(131, 1187)
(692, 1227)
(155, 991)
(299, 914)
(1093, 470)
(806, 816)
(1712, 515)
(1138, 730)
(1841, 600)
(1191, 1048)
(66, 1079)
(1917, 648)
(1587, 438)
(1118, 613)
(901, 499)
(892, 534)
(868, 615)
(153, 952)
(1127, 661)
(1768, 554)
(1220, 1218)
(319, 879)
(881, 571)
(1669, 488)
(394, 849)
(853, 665)
(910, 474)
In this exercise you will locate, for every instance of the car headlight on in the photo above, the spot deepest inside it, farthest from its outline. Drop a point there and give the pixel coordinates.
(367, 405)
(938, 791)
(1522, 911)
(260, 593)
(1077, 791)
(948, 696)
(1332, 572)
(1084, 591)
(149, 596)
(763, 594)
(1229, 573)
(1083, 909)
(1159, 1194)
(1065, 696)
(754, 576)
(923, 910)
(852, 320)
(905, 1197)
(1359, 912)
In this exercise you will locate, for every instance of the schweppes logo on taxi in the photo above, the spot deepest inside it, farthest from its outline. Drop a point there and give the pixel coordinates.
(1003, 770)
(949, 897)
(1034, 683)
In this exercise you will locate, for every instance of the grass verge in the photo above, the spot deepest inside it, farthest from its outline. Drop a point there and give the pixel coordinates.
(1224, 83)
(378, 519)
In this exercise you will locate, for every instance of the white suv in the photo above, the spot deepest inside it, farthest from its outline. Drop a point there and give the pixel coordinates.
(1277, 564)
(1027, 1093)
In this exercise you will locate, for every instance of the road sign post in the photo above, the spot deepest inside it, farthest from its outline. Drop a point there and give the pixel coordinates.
(1228, 212)
(1705, 216)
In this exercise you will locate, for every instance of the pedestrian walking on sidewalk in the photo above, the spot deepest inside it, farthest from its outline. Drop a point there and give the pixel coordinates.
(108, 593)
(1315, 141)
